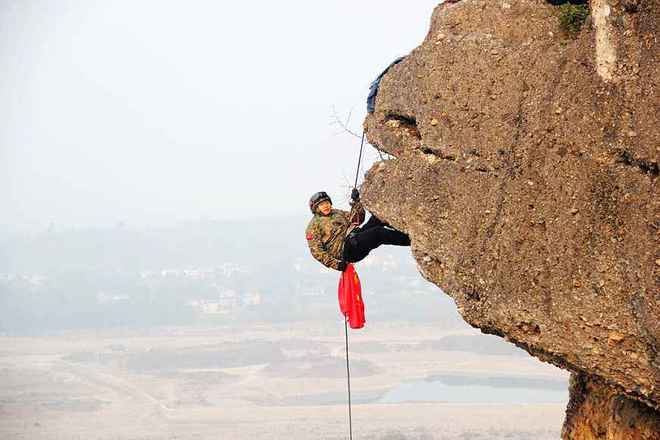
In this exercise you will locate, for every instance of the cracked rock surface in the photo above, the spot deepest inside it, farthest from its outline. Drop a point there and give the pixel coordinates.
(597, 411)
(526, 173)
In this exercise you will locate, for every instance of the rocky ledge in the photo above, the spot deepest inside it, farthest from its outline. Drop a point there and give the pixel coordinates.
(524, 167)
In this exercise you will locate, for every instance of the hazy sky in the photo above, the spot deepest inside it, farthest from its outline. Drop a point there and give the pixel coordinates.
(151, 112)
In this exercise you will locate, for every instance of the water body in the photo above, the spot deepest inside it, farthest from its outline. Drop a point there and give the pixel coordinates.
(489, 390)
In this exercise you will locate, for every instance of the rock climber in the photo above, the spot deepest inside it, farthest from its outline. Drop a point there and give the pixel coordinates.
(336, 238)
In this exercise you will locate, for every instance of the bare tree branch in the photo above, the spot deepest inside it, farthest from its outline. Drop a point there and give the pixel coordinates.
(336, 120)
(344, 125)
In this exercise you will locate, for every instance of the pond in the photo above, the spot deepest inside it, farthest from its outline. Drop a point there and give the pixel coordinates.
(484, 390)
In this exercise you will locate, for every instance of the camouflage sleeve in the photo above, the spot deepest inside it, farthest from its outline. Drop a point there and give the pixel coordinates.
(356, 216)
(317, 249)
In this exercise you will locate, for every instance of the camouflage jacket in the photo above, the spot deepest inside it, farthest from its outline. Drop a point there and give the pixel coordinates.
(326, 233)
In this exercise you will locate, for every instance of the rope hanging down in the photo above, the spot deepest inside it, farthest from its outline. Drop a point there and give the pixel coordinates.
(348, 368)
(357, 171)
(348, 378)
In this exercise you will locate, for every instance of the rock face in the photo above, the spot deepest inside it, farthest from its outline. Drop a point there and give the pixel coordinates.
(525, 171)
(597, 411)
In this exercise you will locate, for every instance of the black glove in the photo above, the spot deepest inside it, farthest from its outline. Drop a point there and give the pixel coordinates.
(342, 266)
(355, 195)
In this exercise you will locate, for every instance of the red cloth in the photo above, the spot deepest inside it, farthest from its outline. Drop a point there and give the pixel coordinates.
(350, 297)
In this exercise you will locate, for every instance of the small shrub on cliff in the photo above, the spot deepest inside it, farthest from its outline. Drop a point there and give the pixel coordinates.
(572, 17)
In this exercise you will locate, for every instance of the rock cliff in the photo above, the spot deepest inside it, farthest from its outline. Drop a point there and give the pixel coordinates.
(525, 171)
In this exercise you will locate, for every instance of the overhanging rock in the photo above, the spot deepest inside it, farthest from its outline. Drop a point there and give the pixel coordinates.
(527, 179)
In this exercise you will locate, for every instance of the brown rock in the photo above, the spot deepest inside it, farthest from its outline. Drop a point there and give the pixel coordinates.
(597, 411)
(615, 337)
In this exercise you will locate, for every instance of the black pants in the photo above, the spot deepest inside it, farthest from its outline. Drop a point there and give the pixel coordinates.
(368, 237)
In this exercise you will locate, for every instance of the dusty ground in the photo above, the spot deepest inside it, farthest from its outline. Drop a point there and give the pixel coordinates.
(265, 382)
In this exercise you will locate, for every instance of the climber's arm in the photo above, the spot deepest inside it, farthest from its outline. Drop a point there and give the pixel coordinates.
(319, 251)
(357, 214)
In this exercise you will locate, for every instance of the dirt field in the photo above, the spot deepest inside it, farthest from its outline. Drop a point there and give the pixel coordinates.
(263, 382)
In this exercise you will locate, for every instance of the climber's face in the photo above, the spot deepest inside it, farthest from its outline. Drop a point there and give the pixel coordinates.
(324, 207)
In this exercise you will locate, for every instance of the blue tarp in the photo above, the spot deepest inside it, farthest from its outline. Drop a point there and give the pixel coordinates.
(373, 88)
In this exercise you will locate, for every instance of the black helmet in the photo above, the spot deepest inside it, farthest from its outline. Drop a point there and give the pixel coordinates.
(316, 200)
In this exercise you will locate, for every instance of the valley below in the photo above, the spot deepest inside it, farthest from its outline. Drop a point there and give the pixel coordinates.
(276, 381)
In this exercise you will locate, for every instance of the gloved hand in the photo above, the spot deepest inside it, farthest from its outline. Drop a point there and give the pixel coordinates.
(342, 266)
(355, 195)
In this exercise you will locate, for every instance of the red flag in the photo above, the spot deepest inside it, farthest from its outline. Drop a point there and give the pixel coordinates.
(350, 297)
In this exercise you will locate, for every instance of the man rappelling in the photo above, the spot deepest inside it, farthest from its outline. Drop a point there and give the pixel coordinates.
(335, 237)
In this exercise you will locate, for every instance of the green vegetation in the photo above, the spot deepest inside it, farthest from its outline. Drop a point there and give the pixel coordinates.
(572, 17)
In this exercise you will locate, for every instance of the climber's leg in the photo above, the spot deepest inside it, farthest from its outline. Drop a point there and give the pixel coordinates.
(359, 244)
(372, 223)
